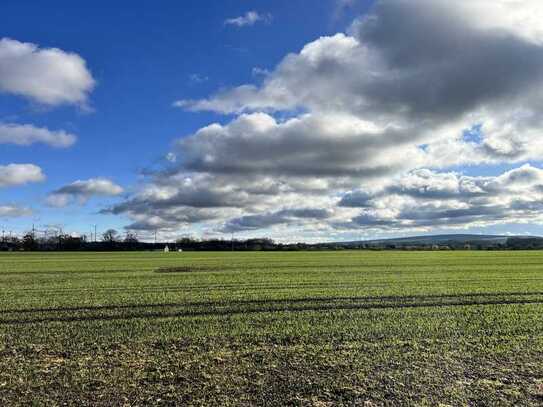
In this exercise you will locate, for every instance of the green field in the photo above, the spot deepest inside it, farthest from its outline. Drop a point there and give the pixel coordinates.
(305, 328)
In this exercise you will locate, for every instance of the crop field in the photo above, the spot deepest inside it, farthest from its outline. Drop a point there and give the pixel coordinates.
(284, 328)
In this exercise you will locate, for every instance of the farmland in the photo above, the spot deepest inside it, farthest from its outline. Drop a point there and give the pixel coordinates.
(290, 328)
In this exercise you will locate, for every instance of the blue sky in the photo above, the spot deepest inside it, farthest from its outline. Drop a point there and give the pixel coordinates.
(143, 58)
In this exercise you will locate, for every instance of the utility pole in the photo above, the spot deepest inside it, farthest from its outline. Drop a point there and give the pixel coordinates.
(95, 234)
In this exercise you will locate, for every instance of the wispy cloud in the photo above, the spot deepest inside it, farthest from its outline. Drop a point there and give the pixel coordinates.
(248, 19)
(196, 78)
(257, 71)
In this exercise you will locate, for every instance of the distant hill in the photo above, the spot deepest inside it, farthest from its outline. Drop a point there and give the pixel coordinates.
(437, 239)
(455, 240)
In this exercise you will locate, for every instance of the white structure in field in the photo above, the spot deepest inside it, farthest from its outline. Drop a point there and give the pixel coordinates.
(166, 249)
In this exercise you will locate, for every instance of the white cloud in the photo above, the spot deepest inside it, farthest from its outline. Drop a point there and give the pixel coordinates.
(81, 191)
(309, 145)
(424, 199)
(282, 217)
(248, 19)
(391, 72)
(48, 76)
(14, 211)
(174, 200)
(392, 99)
(19, 174)
(26, 134)
(257, 71)
(198, 78)
(518, 17)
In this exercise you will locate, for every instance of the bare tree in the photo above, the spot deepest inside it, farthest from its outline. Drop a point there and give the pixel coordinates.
(110, 236)
(131, 238)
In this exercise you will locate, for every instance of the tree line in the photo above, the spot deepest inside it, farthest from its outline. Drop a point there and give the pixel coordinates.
(112, 240)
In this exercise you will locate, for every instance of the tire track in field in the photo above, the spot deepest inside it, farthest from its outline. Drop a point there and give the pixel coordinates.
(267, 309)
(396, 298)
(258, 268)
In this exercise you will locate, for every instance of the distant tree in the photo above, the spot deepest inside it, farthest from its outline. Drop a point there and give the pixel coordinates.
(130, 241)
(110, 236)
(187, 243)
(29, 242)
(184, 240)
(68, 242)
(131, 238)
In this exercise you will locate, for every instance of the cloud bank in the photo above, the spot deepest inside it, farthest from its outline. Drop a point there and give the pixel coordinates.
(366, 126)
(425, 198)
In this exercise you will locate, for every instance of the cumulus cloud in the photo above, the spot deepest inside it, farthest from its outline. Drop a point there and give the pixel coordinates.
(390, 71)
(366, 125)
(308, 145)
(81, 191)
(14, 211)
(177, 199)
(389, 63)
(424, 199)
(248, 19)
(20, 174)
(282, 217)
(173, 200)
(48, 76)
(26, 134)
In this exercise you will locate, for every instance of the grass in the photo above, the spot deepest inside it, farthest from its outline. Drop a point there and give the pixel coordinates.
(304, 328)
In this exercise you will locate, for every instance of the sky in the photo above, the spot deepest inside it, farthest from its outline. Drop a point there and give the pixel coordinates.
(294, 120)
